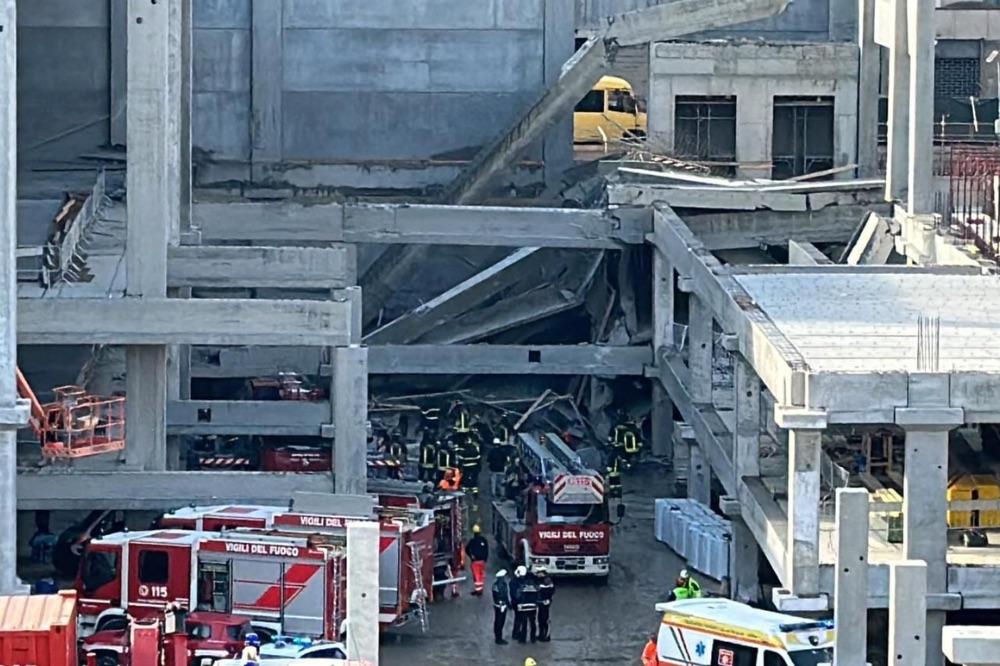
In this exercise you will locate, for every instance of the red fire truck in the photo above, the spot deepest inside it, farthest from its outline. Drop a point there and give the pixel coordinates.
(292, 584)
(561, 519)
(395, 499)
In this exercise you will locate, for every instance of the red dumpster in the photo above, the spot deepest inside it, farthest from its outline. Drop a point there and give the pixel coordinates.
(38, 630)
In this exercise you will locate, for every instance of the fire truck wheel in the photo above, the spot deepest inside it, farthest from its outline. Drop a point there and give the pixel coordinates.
(107, 659)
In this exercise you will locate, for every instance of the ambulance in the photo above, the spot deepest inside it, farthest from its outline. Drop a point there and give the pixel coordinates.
(720, 632)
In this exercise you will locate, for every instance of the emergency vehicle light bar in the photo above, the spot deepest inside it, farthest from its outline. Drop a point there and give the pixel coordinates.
(806, 626)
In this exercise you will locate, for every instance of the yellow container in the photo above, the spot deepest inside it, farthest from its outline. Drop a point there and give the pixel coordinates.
(960, 489)
(987, 488)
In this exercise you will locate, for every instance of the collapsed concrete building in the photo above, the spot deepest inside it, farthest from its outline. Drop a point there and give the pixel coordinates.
(387, 193)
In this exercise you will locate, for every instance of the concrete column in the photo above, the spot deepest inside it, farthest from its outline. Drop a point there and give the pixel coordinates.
(559, 42)
(12, 415)
(363, 591)
(744, 558)
(925, 517)
(663, 338)
(267, 38)
(186, 110)
(153, 184)
(746, 439)
(804, 447)
(754, 122)
(699, 482)
(899, 107)
(920, 198)
(850, 610)
(350, 408)
(118, 18)
(868, 90)
(699, 343)
(908, 632)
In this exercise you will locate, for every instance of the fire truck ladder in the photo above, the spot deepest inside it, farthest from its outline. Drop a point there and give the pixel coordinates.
(419, 589)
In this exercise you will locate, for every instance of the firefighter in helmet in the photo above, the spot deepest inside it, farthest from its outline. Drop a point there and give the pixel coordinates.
(614, 473)
(445, 459)
(428, 458)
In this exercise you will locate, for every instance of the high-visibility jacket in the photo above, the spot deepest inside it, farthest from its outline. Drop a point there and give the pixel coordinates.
(690, 591)
(649, 654)
(453, 483)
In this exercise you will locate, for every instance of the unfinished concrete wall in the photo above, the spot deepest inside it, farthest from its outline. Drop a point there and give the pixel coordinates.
(63, 61)
(755, 74)
(303, 90)
(804, 20)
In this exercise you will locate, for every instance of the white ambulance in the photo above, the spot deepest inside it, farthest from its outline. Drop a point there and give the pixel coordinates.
(720, 632)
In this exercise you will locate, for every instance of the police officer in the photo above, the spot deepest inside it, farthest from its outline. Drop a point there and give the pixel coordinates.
(546, 590)
(428, 458)
(501, 602)
(525, 602)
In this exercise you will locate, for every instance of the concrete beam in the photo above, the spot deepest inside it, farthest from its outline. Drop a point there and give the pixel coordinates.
(161, 321)
(249, 417)
(804, 253)
(873, 244)
(768, 524)
(422, 224)
(232, 362)
(685, 17)
(750, 229)
(746, 438)
(774, 358)
(459, 299)
(508, 360)
(275, 267)
(578, 75)
(972, 645)
(156, 491)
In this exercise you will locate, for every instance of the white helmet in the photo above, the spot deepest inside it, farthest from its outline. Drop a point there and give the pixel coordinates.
(685, 574)
(520, 572)
(502, 573)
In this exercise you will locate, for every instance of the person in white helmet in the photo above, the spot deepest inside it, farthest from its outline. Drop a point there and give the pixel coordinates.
(501, 602)
(524, 597)
(685, 588)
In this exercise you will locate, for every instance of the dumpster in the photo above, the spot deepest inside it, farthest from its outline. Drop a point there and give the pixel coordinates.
(38, 630)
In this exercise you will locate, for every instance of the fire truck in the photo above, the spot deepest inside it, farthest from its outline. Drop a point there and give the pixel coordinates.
(561, 519)
(290, 582)
(395, 498)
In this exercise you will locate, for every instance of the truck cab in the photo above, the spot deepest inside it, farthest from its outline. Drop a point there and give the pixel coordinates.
(608, 113)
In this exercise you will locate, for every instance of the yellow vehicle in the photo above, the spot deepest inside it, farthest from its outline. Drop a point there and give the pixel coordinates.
(608, 113)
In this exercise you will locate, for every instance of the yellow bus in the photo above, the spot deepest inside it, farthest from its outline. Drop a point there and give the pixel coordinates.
(608, 113)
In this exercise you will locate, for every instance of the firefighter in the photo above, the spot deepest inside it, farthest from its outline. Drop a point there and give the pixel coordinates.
(501, 602)
(432, 420)
(614, 474)
(649, 657)
(463, 420)
(395, 448)
(478, 551)
(445, 459)
(524, 596)
(251, 650)
(685, 588)
(468, 459)
(428, 458)
(546, 590)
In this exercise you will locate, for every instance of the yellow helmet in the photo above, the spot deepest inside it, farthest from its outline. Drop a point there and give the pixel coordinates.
(476, 529)
(530, 662)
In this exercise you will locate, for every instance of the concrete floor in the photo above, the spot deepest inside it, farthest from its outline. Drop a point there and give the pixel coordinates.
(591, 624)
